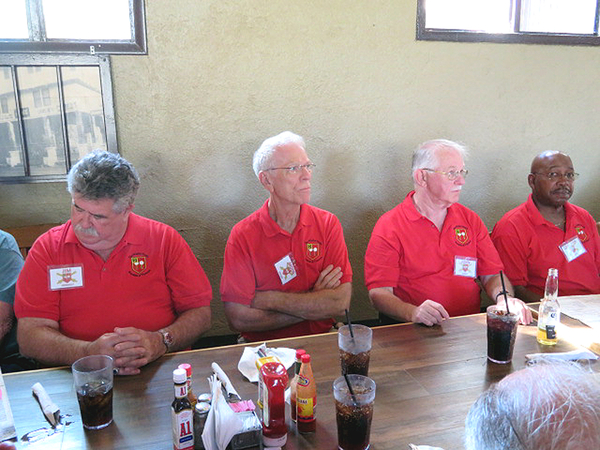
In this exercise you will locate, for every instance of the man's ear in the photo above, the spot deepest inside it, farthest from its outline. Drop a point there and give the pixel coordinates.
(419, 178)
(530, 180)
(264, 179)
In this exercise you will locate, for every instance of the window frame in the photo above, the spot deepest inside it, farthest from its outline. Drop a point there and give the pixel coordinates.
(38, 43)
(103, 64)
(516, 37)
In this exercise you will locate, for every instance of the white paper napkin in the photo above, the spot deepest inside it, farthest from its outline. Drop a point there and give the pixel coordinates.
(574, 355)
(247, 363)
(221, 423)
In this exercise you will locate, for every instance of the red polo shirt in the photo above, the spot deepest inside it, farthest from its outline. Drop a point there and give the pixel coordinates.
(529, 245)
(408, 253)
(257, 243)
(119, 292)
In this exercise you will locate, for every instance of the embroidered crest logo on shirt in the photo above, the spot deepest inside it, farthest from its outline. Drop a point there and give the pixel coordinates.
(286, 269)
(583, 237)
(461, 236)
(313, 250)
(572, 249)
(465, 266)
(65, 277)
(139, 264)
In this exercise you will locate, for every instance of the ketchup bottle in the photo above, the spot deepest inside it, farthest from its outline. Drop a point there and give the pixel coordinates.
(306, 398)
(275, 380)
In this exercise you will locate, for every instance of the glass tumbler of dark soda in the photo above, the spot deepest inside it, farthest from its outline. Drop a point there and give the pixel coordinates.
(354, 414)
(93, 378)
(501, 334)
(355, 349)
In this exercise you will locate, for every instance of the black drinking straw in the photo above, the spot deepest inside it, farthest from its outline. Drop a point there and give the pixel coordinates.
(504, 292)
(351, 391)
(349, 324)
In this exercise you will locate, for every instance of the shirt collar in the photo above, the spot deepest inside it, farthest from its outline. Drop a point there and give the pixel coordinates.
(271, 228)
(411, 210)
(536, 215)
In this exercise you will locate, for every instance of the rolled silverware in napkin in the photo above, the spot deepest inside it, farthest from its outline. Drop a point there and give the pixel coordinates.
(49, 408)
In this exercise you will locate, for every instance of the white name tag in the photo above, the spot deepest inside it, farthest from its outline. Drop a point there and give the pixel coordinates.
(573, 248)
(65, 277)
(465, 266)
(286, 269)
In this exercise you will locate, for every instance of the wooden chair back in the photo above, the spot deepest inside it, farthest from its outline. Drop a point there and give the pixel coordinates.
(26, 236)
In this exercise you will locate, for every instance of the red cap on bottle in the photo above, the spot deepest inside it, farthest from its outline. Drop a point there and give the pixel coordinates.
(187, 367)
(299, 353)
(306, 358)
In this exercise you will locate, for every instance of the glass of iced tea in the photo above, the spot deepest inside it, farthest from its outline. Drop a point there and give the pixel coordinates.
(501, 334)
(93, 376)
(355, 352)
(354, 413)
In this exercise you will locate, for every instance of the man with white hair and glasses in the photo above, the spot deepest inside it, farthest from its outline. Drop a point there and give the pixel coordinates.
(286, 269)
(425, 254)
(109, 282)
(548, 231)
(549, 406)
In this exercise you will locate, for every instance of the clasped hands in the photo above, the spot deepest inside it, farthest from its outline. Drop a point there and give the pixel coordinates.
(130, 348)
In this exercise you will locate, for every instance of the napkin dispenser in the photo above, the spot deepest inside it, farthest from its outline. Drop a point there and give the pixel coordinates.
(250, 436)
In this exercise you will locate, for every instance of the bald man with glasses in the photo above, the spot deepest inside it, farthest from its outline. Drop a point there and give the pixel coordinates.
(286, 270)
(425, 255)
(548, 231)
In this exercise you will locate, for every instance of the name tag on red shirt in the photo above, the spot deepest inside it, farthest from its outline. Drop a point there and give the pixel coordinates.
(465, 266)
(286, 268)
(65, 277)
(573, 248)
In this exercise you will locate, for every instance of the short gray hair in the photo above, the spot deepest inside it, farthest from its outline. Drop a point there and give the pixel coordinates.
(547, 406)
(262, 156)
(426, 155)
(104, 175)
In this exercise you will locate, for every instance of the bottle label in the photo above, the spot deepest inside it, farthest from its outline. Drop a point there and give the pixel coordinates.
(303, 381)
(183, 431)
(550, 332)
(306, 409)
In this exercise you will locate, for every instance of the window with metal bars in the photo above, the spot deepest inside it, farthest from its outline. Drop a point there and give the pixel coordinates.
(560, 22)
(53, 111)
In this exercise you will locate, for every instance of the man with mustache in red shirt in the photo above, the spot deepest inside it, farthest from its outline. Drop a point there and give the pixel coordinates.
(548, 231)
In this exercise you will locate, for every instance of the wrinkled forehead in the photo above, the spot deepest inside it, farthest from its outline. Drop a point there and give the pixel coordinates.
(448, 157)
(289, 153)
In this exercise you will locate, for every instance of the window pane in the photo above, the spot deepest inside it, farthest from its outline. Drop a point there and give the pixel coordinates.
(11, 163)
(558, 16)
(42, 124)
(13, 20)
(87, 19)
(492, 16)
(85, 112)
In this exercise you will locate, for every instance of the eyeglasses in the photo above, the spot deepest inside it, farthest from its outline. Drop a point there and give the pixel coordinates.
(553, 176)
(451, 174)
(295, 169)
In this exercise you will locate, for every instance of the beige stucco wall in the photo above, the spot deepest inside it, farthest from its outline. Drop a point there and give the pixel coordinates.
(222, 75)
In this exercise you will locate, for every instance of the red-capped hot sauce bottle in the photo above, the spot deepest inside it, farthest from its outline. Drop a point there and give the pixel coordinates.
(306, 398)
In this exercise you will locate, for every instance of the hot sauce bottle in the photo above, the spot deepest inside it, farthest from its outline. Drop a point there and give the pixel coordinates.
(181, 414)
(306, 398)
(294, 382)
(190, 393)
(275, 381)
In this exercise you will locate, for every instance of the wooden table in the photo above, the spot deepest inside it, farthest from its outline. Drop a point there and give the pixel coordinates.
(427, 379)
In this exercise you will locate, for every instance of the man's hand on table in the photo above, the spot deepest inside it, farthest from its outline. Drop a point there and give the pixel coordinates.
(429, 313)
